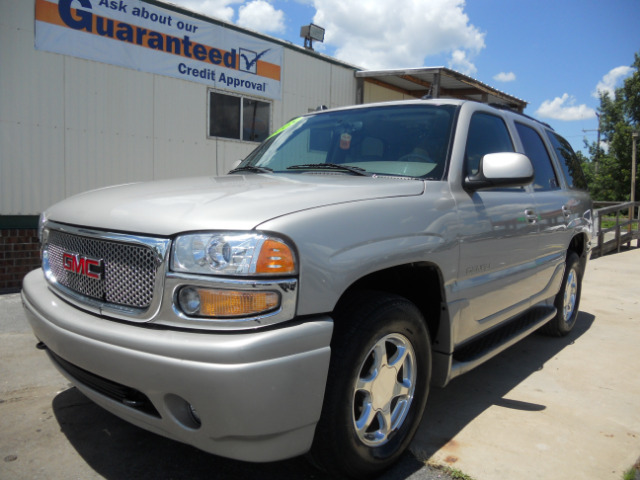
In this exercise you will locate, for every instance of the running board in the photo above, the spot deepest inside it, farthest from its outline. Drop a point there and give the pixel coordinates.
(488, 346)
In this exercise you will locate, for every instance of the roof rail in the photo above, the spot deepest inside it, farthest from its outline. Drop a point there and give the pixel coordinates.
(500, 106)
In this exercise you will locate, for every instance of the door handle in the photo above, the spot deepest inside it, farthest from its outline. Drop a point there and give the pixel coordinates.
(531, 215)
(566, 211)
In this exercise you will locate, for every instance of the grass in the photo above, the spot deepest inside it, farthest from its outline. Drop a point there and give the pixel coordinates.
(633, 473)
(456, 474)
(612, 223)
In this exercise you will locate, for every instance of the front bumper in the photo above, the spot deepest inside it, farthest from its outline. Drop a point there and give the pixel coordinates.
(258, 395)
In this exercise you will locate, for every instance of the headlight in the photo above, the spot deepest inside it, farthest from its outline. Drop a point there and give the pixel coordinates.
(232, 254)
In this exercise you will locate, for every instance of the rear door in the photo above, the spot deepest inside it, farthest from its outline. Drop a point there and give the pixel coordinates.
(553, 206)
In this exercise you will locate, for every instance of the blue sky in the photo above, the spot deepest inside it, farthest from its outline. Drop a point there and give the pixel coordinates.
(553, 54)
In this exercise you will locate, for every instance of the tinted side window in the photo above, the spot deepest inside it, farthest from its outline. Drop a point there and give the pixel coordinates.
(568, 161)
(487, 134)
(545, 175)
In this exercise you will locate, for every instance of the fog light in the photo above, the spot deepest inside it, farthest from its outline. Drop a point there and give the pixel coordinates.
(182, 411)
(194, 414)
(204, 302)
(189, 301)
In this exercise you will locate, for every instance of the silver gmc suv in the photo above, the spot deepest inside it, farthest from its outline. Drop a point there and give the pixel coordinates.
(305, 302)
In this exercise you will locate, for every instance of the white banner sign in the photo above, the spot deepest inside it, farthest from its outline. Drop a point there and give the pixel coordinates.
(145, 37)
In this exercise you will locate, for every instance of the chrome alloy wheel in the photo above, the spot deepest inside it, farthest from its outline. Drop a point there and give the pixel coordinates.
(384, 389)
(570, 295)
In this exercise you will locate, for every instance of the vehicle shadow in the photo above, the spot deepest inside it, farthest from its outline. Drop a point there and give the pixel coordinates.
(117, 450)
(452, 408)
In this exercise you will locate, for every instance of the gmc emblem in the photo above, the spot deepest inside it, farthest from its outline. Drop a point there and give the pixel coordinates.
(85, 266)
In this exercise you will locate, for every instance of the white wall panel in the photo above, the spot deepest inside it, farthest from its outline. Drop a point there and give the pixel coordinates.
(31, 116)
(101, 159)
(181, 147)
(31, 168)
(306, 84)
(177, 157)
(108, 125)
(228, 152)
(310, 82)
(343, 86)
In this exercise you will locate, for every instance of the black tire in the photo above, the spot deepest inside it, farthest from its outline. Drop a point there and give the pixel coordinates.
(567, 301)
(387, 330)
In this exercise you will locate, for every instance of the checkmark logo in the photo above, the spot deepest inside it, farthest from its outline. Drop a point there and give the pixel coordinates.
(249, 60)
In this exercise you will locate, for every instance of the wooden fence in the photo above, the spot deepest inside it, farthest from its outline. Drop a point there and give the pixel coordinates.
(616, 224)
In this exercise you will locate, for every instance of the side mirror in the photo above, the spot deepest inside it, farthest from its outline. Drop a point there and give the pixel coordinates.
(506, 169)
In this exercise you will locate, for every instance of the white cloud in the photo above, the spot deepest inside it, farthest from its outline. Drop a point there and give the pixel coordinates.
(375, 34)
(384, 34)
(564, 108)
(213, 8)
(505, 77)
(461, 63)
(610, 81)
(261, 16)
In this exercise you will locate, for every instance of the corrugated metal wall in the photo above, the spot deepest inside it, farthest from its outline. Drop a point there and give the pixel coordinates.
(31, 115)
(68, 125)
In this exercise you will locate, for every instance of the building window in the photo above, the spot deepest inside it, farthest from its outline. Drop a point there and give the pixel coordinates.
(241, 118)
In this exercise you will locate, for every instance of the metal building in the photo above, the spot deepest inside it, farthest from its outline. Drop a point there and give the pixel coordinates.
(95, 93)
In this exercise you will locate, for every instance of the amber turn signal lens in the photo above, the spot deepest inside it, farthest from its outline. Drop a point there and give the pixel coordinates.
(204, 302)
(275, 258)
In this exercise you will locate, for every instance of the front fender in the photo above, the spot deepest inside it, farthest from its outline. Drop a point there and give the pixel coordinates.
(337, 245)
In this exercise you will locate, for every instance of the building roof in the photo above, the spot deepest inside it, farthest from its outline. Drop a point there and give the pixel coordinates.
(440, 82)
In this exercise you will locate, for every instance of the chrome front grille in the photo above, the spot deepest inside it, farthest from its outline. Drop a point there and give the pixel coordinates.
(128, 272)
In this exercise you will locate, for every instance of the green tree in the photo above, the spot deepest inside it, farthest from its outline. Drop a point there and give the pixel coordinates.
(619, 117)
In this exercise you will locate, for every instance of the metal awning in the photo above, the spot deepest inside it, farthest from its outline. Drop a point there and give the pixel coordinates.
(440, 82)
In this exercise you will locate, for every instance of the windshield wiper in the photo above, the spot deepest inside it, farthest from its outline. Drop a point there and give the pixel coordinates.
(331, 166)
(251, 168)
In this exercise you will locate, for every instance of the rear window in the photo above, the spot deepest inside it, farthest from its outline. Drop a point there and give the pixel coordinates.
(568, 161)
(545, 176)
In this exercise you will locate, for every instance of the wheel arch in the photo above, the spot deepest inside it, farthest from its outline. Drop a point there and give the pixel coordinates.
(580, 245)
(421, 283)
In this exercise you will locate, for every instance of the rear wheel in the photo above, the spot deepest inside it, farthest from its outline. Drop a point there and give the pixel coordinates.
(567, 300)
(377, 387)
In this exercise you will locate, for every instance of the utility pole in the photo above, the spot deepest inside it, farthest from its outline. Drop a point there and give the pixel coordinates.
(598, 147)
(634, 139)
(598, 141)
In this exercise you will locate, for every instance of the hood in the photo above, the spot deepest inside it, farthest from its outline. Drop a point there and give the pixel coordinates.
(232, 202)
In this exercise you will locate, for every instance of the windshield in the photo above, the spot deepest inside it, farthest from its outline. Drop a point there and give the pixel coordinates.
(406, 140)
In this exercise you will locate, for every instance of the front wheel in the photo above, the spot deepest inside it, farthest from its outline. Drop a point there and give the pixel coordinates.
(567, 300)
(377, 388)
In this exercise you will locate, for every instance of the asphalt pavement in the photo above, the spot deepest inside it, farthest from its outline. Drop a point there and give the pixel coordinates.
(50, 431)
